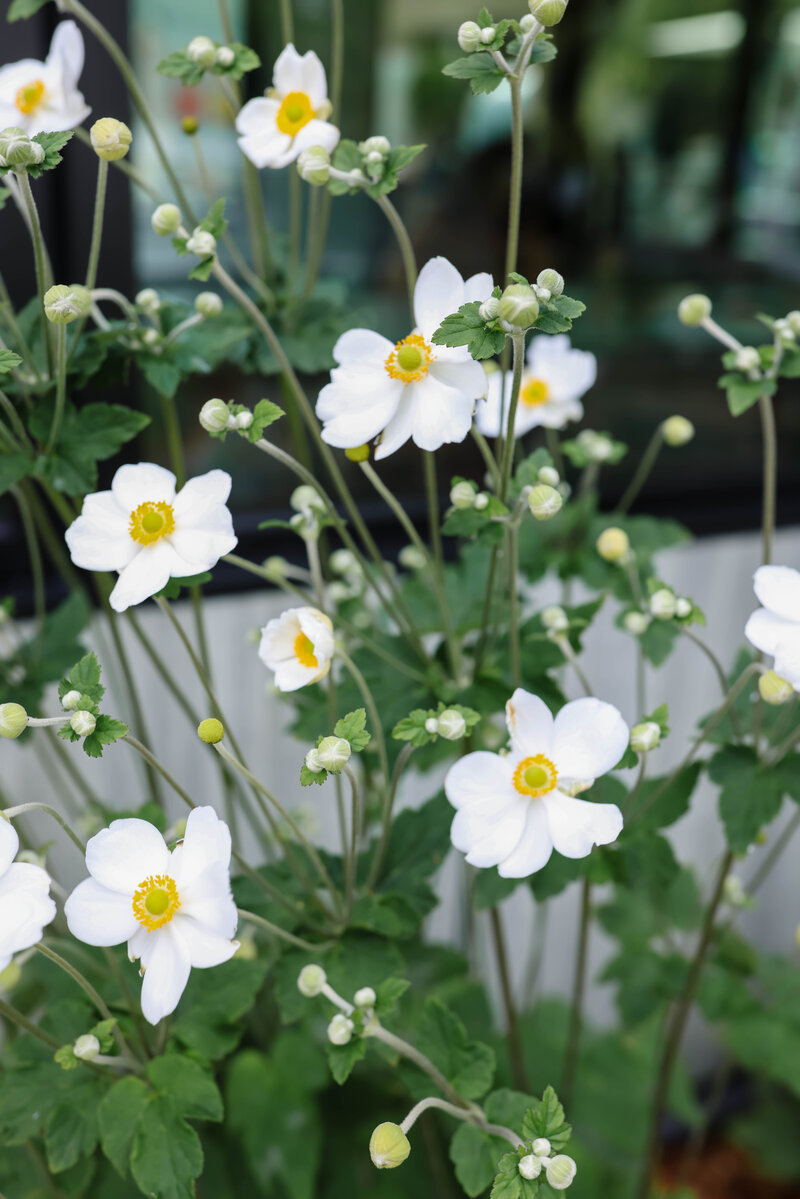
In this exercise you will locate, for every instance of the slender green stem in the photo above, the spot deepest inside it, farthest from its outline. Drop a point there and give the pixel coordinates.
(487, 455)
(287, 21)
(515, 191)
(34, 556)
(282, 934)
(518, 345)
(352, 857)
(718, 670)
(61, 388)
(578, 995)
(22, 808)
(17, 1018)
(770, 476)
(122, 164)
(554, 449)
(386, 821)
(369, 704)
(97, 223)
(513, 606)
(471, 1116)
(87, 987)
(436, 559)
(295, 231)
(44, 278)
(515, 1052)
(226, 24)
(642, 472)
(404, 243)
(765, 869)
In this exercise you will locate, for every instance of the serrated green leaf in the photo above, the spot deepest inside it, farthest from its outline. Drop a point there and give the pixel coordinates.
(51, 143)
(467, 328)
(118, 1118)
(265, 413)
(468, 1065)
(20, 9)
(744, 393)
(191, 1091)
(8, 361)
(166, 1156)
(351, 728)
(750, 797)
(480, 69)
(546, 1119)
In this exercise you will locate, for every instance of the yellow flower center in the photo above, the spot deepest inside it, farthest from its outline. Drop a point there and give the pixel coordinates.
(535, 392)
(410, 359)
(29, 97)
(304, 651)
(535, 776)
(155, 901)
(295, 112)
(151, 521)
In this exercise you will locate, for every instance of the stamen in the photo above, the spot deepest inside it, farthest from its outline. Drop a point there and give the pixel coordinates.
(151, 521)
(295, 111)
(534, 392)
(535, 776)
(410, 359)
(29, 97)
(304, 651)
(155, 901)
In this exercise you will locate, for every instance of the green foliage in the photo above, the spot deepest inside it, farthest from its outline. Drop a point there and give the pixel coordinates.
(468, 1065)
(8, 361)
(179, 65)
(546, 1119)
(265, 414)
(467, 327)
(88, 435)
(751, 794)
(20, 9)
(412, 727)
(480, 69)
(375, 179)
(743, 393)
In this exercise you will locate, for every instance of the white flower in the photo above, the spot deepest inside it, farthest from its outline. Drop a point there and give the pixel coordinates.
(775, 628)
(43, 96)
(291, 118)
(175, 909)
(147, 533)
(553, 382)
(298, 647)
(513, 810)
(414, 388)
(25, 903)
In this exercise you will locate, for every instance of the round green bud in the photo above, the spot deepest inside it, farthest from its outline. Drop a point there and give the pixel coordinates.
(314, 166)
(683, 607)
(748, 359)
(462, 495)
(87, 1047)
(71, 700)
(166, 220)
(645, 736)
(313, 763)
(552, 280)
(224, 56)
(333, 753)
(677, 431)
(489, 310)
(637, 623)
(412, 558)
(613, 545)
(64, 304)
(376, 145)
(365, 997)
(303, 497)
(13, 720)
(469, 37)
(202, 243)
(202, 51)
(9, 978)
(693, 310)
(340, 1029)
(388, 1146)
(357, 453)
(83, 723)
(530, 1166)
(247, 951)
(663, 604)
(560, 1171)
(481, 501)
(214, 416)
(111, 139)
(555, 618)
(275, 567)
(544, 502)
(344, 562)
(208, 304)
(210, 730)
(549, 475)
(541, 1147)
(311, 980)
(19, 151)
(518, 306)
(451, 725)
(148, 300)
(548, 12)
(734, 892)
(189, 126)
(773, 689)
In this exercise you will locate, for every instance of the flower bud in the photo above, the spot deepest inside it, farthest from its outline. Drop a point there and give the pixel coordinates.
(18, 150)
(637, 623)
(555, 618)
(314, 165)
(13, 720)
(82, 723)
(111, 139)
(530, 1166)
(663, 604)
(489, 311)
(210, 730)
(451, 725)
(224, 56)
(613, 545)
(645, 736)
(560, 1171)
(488, 34)
(365, 997)
(313, 763)
(432, 726)
(748, 359)
(275, 567)
(412, 558)
(683, 607)
(64, 304)
(343, 562)
(376, 145)
(469, 36)
(71, 700)
(549, 475)
(340, 1029)
(552, 280)
(148, 300)
(243, 420)
(793, 320)
(151, 337)
(544, 502)
(202, 51)
(693, 310)
(481, 501)
(311, 980)
(304, 497)
(357, 453)
(214, 416)
(389, 1146)
(597, 446)
(208, 304)
(773, 689)
(518, 306)
(166, 220)
(677, 430)
(462, 495)
(784, 330)
(86, 1047)
(734, 892)
(334, 753)
(202, 243)
(548, 12)
(541, 1147)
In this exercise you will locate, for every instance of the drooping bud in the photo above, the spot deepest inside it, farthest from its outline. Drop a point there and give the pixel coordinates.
(388, 1146)
(208, 304)
(83, 723)
(214, 416)
(211, 730)
(645, 736)
(340, 1029)
(469, 37)
(489, 309)
(462, 495)
(518, 307)
(111, 139)
(677, 431)
(451, 725)
(311, 980)
(530, 1166)
(202, 51)
(748, 359)
(637, 623)
(663, 604)
(560, 1171)
(548, 12)
(71, 700)
(314, 165)
(18, 150)
(224, 56)
(613, 545)
(86, 1047)
(202, 243)
(544, 502)
(64, 304)
(334, 753)
(549, 475)
(552, 280)
(365, 997)
(166, 220)
(693, 310)
(555, 619)
(541, 1147)
(13, 721)
(773, 689)
(148, 300)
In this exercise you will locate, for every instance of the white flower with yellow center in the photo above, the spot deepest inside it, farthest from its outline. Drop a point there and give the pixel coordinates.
(148, 533)
(292, 117)
(553, 382)
(413, 389)
(513, 810)
(25, 903)
(775, 628)
(175, 910)
(43, 96)
(298, 646)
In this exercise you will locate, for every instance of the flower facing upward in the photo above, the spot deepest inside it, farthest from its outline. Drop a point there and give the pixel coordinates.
(513, 810)
(175, 909)
(43, 96)
(413, 389)
(292, 117)
(25, 903)
(553, 382)
(298, 647)
(775, 628)
(148, 533)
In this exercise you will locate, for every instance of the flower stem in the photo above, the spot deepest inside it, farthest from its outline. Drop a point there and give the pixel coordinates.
(22, 808)
(61, 388)
(386, 825)
(578, 995)
(350, 877)
(515, 190)
(282, 934)
(515, 1053)
(97, 224)
(642, 472)
(405, 245)
(770, 476)
(369, 704)
(44, 278)
(437, 563)
(471, 1116)
(87, 987)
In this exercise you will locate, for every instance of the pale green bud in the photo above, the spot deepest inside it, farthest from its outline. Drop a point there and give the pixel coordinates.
(462, 495)
(86, 1047)
(552, 280)
(560, 1171)
(275, 567)
(541, 1147)
(489, 309)
(340, 1029)
(151, 337)
(202, 243)
(544, 502)
(214, 416)
(549, 475)
(518, 307)
(469, 36)
(9, 978)
(365, 997)
(663, 604)
(148, 300)
(748, 359)
(314, 165)
(71, 700)
(304, 497)
(683, 607)
(202, 51)
(555, 618)
(548, 12)
(793, 320)
(311, 980)
(111, 139)
(344, 562)
(224, 56)
(613, 545)
(313, 763)
(693, 310)
(64, 304)
(637, 623)
(376, 145)
(530, 1166)
(18, 150)
(528, 23)
(208, 304)
(677, 431)
(451, 725)
(412, 558)
(645, 736)
(211, 730)
(773, 689)
(243, 421)
(481, 501)
(734, 892)
(166, 220)
(83, 723)
(13, 720)
(488, 34)
(333, 753)
(388, 1146)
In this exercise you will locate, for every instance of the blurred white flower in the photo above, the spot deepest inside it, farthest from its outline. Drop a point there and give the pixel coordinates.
(298, 646)
(43, 96)
(292, 117)
(25, 903)
(775, 628)
(553, 382)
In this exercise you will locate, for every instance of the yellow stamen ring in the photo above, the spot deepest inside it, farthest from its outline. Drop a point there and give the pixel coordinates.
(410, 359)
(295, 111)
(151, 521)
(155, 901)
(534, 392)
(29, 97)
(304, 651)
(535, 776)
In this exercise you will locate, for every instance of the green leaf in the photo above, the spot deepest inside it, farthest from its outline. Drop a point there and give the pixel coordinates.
(659, 802)
(179, 65)
(209, 1016)
(8, 361)
(750, 797)
(118, 1118)
(468, 1065)
(351, 728)
(107, 731)
(245, 60)
(388, 994)
(20, 9)
(468, 328)
(342, 1058)
(508, 1182)
(52, 143)
(744, 393)
(163, 376)
(174, 587)
(546, 1119)
(85, 678)
(71, 1131)
(308, 776)
(88, 436)
(13, 467)
(166, 1156)
(191, 1091)
(480, 69)
(265, 413)
(474, 1155)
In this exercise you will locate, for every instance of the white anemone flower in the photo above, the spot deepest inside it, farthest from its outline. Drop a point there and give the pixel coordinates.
(413, 389)
(775, 628)
(43, 96)
(25, 903)
(554, 380)
(292, 116)
(298, 646)
(148, 533)
(175, 909)
(513, 810)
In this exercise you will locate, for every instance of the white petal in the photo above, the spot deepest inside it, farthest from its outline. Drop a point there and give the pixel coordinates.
(291, 676)
(576, 824)
(357, 422)
(569, 373)
(258, 117)
(476, 777)
(766, 631)
(489, 835)
(438, 293)
(99, 916)
(778, 588)
(398, 429)
(441, 415)
(589, 738)
(205, 947)
(133, 484)
(288, 74)
(207, 841)
(555, 414)
(67, 53)
(99, 539)
(787, 661)
(201, 497)
(146, 574)
(166, 973)
(25, 907)
(478, 287)
(9, 844)
(319, 630)
(200, 549)
(313, 81)
(265, 149)
(534, 847)
(121, 856)
(359, 345)
(530, 724)
(278, 637)
(315, 133)
(468, 377)
(207, 899)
